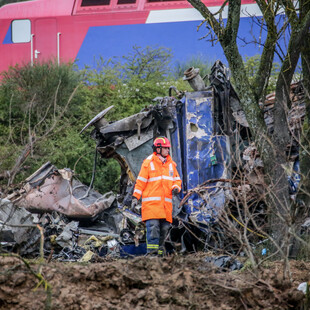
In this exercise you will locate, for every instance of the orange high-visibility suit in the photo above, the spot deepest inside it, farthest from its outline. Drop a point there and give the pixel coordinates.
(155, 183)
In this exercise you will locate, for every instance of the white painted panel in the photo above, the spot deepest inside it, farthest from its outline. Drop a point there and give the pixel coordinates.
(191, 14)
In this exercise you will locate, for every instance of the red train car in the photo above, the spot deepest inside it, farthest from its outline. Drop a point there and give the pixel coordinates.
(83, 30)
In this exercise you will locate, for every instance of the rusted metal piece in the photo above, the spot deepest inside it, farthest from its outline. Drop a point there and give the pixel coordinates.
(192, 76)
(50, 189)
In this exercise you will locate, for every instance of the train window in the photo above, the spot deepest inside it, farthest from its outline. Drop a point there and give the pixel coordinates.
(95, 2)
(21, 31)
(126, 1)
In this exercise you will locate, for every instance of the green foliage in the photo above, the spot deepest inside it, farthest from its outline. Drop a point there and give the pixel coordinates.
(107, 176)
(33, 97)
(196, 61)
(53, 103)
(129, 84)
(41, 102)
(251, 66)
(147, 64)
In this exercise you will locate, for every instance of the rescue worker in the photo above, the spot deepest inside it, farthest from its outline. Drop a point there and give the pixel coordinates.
(158, 180)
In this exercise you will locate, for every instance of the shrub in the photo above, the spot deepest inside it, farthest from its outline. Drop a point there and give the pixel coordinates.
(43, 107)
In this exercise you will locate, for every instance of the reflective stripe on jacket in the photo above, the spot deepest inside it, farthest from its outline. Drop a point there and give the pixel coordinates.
(155, 183)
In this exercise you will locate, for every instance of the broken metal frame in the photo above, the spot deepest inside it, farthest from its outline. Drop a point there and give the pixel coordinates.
(199, 125)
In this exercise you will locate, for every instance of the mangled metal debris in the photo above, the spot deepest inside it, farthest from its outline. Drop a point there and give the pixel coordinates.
(17, 227)
(69, 212)
(197, 124)
(224, 263)
(50, 189)
(209, 142)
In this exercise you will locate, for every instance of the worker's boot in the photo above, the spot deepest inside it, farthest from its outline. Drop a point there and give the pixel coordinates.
(161, 251)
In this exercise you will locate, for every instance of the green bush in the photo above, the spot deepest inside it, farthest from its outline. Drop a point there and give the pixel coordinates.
(129, 83)
(39, 105)
(196, 61)
(33, 97)
(251, 66)
(52, 103)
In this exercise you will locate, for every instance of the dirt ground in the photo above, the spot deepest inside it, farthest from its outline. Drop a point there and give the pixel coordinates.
(148, 283)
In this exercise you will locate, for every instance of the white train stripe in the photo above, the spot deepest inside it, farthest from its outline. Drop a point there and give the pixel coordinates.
(191, 14)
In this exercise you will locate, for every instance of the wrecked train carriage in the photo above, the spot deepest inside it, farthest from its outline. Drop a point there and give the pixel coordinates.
(199, 125)
(210, 143)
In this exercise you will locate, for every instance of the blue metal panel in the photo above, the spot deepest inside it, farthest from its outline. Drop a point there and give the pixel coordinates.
(117, 41)
(206, 157)
(132, 250)
(197, 132)
(176, 142)
(8, 36)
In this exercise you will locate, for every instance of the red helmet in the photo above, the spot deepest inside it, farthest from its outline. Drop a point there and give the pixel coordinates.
(161, 142)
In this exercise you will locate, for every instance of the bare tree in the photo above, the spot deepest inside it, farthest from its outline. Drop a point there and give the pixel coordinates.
(305, 137)
(271, 145)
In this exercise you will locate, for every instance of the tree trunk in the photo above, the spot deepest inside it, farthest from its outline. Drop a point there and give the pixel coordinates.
(272, 146)
(304, 150)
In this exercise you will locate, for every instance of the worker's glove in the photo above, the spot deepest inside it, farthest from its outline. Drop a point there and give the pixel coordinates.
(175, 191)
(134, 203)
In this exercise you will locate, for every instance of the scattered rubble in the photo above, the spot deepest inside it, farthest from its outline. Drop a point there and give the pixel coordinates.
(224, 263)
(69, 212)
(50, 189)
(210, 144)
(17, 227)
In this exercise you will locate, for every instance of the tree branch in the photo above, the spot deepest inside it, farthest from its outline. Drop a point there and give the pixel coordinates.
(209, 17)
(233, 21)
(263, 73)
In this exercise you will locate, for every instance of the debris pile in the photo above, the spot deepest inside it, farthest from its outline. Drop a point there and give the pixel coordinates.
(77, 221)
(253, 167)
(50, 189)
(218, 166)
